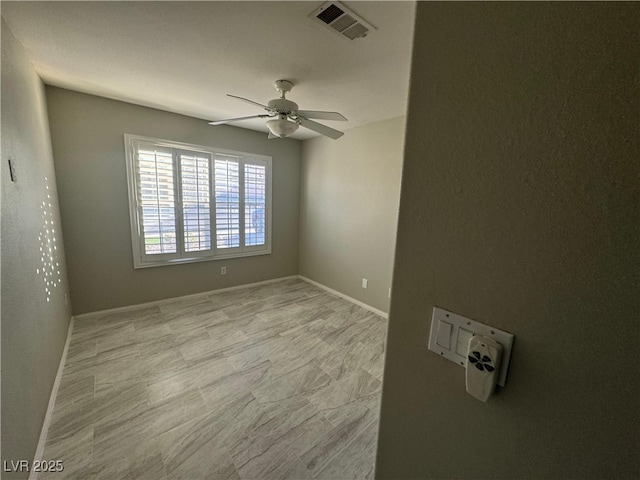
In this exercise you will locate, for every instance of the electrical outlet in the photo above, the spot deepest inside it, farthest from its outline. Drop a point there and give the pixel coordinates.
(223, 270)
(389, 292)
(365, 283)
(66, 298)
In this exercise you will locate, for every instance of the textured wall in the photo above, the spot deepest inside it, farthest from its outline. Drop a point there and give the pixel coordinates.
(88, 144)
(34, 315)
(519, 208)
(349, 210)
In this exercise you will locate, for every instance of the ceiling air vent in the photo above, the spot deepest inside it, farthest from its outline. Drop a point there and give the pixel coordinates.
(342, 20)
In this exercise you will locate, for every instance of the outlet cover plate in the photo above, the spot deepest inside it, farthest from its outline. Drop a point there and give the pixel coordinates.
(450, 333)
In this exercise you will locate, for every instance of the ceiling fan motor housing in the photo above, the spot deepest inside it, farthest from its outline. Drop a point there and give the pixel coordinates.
(282, 106)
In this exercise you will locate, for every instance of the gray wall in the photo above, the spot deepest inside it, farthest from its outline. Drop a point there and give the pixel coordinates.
(519, 208)
(34, 322)
(349, 209)
(88, 145)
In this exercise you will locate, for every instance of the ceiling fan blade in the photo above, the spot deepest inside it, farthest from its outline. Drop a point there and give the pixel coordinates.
(248, 101)
(323, 115)
(227, 120)
(319, 128)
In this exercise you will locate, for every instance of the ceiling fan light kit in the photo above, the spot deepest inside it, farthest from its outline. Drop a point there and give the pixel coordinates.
(281, 127)
(285, 116)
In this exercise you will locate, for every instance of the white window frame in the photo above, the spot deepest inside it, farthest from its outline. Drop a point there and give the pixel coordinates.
(141, 259)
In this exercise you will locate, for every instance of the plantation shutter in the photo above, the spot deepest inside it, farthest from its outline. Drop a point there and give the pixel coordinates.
(227, 191)
(255, 204)
(196, 201)
(192, 203)
(156, 199)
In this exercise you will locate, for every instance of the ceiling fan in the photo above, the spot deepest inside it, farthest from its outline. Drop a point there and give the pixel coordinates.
(285, 116)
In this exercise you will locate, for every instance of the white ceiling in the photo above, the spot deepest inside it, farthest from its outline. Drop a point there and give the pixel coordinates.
(184, 56)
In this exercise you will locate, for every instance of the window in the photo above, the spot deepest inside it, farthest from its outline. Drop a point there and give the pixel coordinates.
(191, 203)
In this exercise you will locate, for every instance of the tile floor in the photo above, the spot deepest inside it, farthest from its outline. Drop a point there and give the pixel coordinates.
(275, 381)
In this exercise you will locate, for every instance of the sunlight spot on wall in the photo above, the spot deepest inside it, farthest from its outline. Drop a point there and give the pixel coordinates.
(49, 268)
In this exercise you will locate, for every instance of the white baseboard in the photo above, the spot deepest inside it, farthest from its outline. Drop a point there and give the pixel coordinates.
(193, 296)
(52, 401)
(346, 297)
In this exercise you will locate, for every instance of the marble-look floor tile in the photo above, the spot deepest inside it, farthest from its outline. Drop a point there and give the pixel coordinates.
(253, 352)
(173, 382)
(336, 440)
(73, 389)
(277, 463)
(151, 329)
(104, 362)
(195, 321)
(123, 334)
(336, 404)
(303, 351)
(222, 388)
(368, 330)
(316, 321)
(274, 443)
(190, 446)
(120, 404)
(81, 350)
(360, 384)
(349, 359)
(329, 300)
(301, 382)
(75, 451)
(272, 381)
(138, 461)
(120, 438)
(157, 356)
(356, 461)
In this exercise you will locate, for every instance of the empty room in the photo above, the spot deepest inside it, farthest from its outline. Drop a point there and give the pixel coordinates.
(320, 240)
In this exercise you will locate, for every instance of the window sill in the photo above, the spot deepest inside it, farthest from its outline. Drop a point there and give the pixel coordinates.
(218, 256)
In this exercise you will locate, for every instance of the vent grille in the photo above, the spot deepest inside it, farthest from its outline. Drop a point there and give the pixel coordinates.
(356, 31)
(342, 23)
(342, 20)
(330, 13)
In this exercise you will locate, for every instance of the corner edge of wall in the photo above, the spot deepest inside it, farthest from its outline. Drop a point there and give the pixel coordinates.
(346, 297)
(33, 475)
